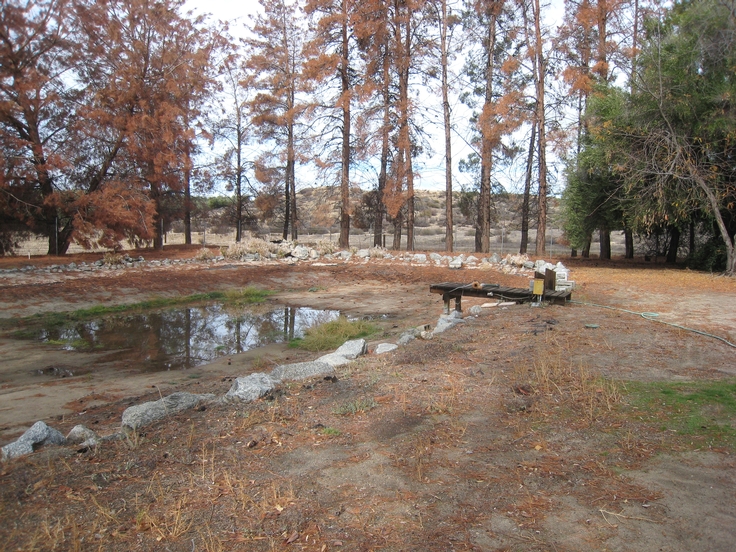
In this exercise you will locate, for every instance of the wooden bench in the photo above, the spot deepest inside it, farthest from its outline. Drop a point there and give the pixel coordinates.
(456, 291)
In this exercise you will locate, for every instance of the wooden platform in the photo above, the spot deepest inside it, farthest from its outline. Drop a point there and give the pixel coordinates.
(454, 290)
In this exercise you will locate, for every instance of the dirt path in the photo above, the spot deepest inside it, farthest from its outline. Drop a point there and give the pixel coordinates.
(493, 436)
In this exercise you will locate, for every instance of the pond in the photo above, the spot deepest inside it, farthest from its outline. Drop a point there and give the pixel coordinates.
(184, 337)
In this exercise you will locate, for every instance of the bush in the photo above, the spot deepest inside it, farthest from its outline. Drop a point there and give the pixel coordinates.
(219, 202)
(112, 259)
(204, 254)
(711, 257)
(10, 240)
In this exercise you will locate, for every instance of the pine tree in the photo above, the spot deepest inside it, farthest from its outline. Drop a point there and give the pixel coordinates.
(275, 55)
(36, 109)
(146, 70)
(332, 54)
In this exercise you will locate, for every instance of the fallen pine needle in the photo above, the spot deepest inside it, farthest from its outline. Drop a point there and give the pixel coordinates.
(604, 512)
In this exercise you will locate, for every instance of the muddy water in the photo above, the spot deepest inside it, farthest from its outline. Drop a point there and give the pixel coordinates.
(183, 337)
(64, 371)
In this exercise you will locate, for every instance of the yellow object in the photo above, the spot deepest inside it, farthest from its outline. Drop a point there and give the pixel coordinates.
(538, 287)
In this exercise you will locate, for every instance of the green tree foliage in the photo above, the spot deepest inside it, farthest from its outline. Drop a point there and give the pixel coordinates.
(662, 153)
(593, 199)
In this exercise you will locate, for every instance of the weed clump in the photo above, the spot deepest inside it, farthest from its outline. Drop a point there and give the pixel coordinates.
(355, 407)
(204, 254)
(246, 296)
(556, 385)
(251, 245)
(331, 335)
(111, 258)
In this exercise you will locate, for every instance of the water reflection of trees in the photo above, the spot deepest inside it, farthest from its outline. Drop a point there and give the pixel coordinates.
(190, 336)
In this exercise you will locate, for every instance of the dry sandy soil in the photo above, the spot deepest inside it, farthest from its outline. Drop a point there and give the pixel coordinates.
(512, 431)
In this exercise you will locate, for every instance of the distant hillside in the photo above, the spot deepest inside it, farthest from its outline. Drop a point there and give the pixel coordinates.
(318, 210)
(319, 213)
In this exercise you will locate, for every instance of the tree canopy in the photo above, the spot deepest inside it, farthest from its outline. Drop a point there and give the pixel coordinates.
(110, 111)
(660, 154)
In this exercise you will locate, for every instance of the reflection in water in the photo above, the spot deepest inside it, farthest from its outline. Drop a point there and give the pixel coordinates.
(186, 337)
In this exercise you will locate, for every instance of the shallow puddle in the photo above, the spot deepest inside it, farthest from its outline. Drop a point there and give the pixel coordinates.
(183, 337)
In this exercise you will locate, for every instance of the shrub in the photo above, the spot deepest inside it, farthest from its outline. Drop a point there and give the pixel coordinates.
(711, 256)
(204, 254)
(111, 258)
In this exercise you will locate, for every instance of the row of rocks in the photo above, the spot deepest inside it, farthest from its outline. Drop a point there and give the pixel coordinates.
(255, 386)
(292, 253)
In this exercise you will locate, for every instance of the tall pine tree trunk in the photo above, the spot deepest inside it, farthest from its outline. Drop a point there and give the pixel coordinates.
(542, 153)
(345, 100)
(398, 222)
(448, 142)
(405, 143)
(291, 179)
(239, 190)
(527, 191)
(605, 235)
(287, 203)
(385, 130)
(483, 224)
(585, 253)
(674, 246)
(187, 193)
(628, 243)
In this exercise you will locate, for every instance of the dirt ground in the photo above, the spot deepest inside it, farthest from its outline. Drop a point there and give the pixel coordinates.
(508, 432)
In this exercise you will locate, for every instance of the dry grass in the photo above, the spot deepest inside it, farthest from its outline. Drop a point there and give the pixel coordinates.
(111, 258)
(469, 441)
(569, 385)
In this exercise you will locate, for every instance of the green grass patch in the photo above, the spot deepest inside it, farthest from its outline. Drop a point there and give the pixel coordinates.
(333, 334)
(25, 334)
(245, 296)
(354, 407)
(56, 342)
(78, 344)
(704, 411)
(331, 431)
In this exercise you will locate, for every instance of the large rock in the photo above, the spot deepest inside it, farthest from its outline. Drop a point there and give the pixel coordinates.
(145, 414)
(352, 349)
(302, 370)
(252, 387)
(457, 262)
(82, 434)
(300, 252)
(38, 435)
(406, 337)
(411, 334)
(334, 360)
(447, 322)
(382, 348)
